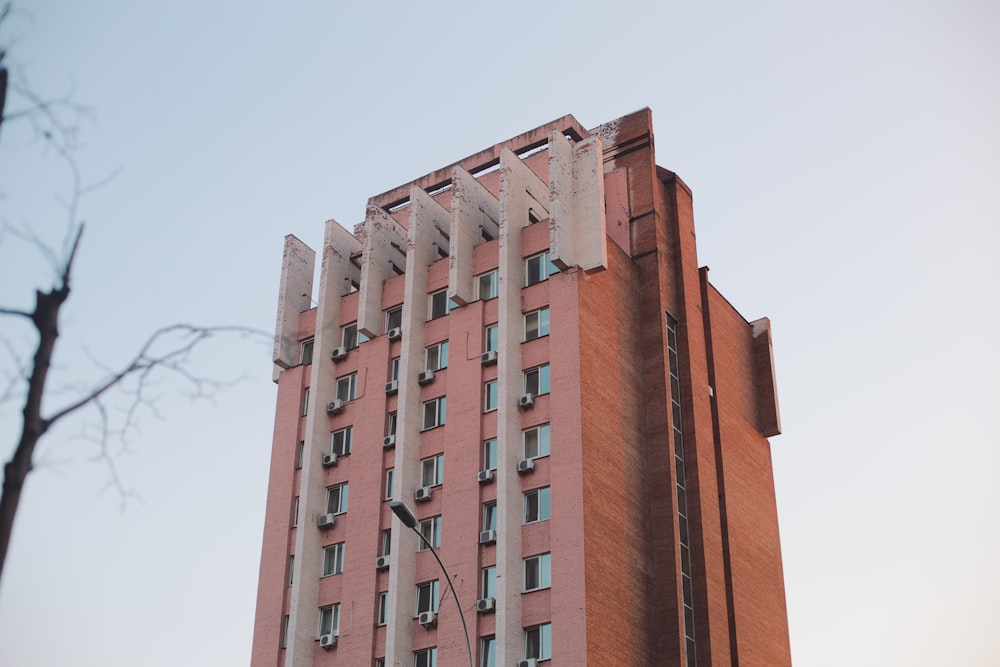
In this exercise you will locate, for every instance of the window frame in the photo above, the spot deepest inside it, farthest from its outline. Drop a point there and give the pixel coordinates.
(390, 479)
(543, 572)
(382, 609)
(488, 651)
(347, 436)
(493, 285)
(537, 495)
(434, 305)
(490, 454)
(440, 352)
(306, 349)
(491, 396)
(489, 515)
(431, 590)
(385, 542)
(332, 613)
(543, 640)
(337, 550)
(488, 581)
(432, 469)
(440, 412)
(540, 442)
(351, 337)
(390, 314)
(542, 322)
(430, 528)
(350, 381)
(544, 269)
(491, 337)
(341, 490)
(425, 657)
(542, 382)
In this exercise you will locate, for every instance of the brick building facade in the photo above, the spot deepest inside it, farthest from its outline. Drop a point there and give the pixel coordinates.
(523, 349)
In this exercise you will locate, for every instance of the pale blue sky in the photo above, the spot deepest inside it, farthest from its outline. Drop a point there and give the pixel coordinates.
(843, 158)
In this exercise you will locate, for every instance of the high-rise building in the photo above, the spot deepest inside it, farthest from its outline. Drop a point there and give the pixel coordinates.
(522, 348)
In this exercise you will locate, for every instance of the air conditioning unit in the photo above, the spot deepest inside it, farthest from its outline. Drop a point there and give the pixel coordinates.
(425, 377)
(335, 407)
(381, 562)
(488, 357)
(525, 465)
(485, 604)
(392, 387)
(527, 401)
(488, 537)
(338, 353)
(394, 333)
(328, 641)
(423, 493)
(329, 460)
(530, 662)
(427, 618)
(485, 476)
(389, 441)
(327, 520)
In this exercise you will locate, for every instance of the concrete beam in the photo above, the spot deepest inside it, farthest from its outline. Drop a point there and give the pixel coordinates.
(473, 210)
(765, 381)
(577, 227)
(383, 246)
(298, 264)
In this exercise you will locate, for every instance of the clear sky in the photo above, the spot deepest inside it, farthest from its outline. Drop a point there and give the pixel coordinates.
(844, 159)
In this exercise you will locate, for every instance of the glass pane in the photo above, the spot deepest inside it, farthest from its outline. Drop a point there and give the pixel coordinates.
(543, 504)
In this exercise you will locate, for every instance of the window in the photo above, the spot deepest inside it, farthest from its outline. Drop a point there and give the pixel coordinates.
(486, 285)
(305, 402)
(306, 352)
(383, 608)
(492, 337)
(439, 305)
(390, 475)
(536, 505)
(427, 596)
(347, 387)
(437, 356)
(434, 412)
(488, 651)
(336, 499)
(431, 530)
(536, 324)
(536, 442)
(488, 582)
(329, 620)
(291, 570)
(284, 633)
(379, 662)
(394, 369)
(538, 642)
(538, 268)
(536, 381)
(426, 658)
(333, 559)
(300, 450)
(394, 318)
(432, 470)
(385, 544)
(295, 512)
(537, 572)
(490, 454)
(491, 398)
(490, 515)
(390, 423)
(341, 441)
(351, 337)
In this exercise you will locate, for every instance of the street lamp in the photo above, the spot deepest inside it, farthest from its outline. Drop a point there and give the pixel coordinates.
(404, 514)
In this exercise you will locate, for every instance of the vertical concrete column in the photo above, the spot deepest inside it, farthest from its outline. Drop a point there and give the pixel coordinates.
(518, 186)
(473, 209)
(336, 274)
(298, 263)
(577, 227)
(426, 216)
(384, 245)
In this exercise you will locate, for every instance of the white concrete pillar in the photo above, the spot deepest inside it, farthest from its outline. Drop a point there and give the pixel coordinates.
(384, 246)
(577, 227)
(298, 264)
(473, 210)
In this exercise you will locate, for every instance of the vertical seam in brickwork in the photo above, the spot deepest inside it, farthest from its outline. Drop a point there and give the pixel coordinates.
(719, 467)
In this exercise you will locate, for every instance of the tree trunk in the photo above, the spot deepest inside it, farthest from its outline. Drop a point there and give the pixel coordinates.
(46, 320)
